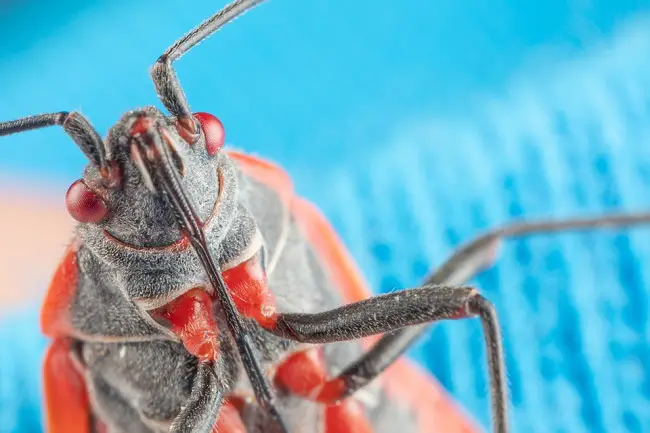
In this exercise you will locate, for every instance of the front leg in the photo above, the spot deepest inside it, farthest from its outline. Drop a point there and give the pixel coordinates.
(390, 312)
(467, 261)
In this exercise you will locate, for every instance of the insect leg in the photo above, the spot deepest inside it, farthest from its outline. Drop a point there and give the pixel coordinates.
(74, 124)
(463, 265)
(389, 312)
(164, 77)
(202, 409)
(468, 261)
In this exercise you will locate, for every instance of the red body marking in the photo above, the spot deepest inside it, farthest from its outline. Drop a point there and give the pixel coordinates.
(348, 417)
(66, 399)
(305, 374)
(191, 318)
(55, 315)
(229, 420)
(249, 289)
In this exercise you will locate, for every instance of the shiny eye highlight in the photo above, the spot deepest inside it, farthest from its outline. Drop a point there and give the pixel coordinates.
(215, 135)
(83, 204)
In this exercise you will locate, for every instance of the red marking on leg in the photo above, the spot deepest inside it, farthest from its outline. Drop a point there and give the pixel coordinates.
(55, 313)
(191, 317)
(229, 420)
(66, 399)
(305, 374)
(347, 417)
(250, 292)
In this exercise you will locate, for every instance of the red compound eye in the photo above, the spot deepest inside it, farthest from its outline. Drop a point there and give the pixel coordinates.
(215, 135)
(83, 204)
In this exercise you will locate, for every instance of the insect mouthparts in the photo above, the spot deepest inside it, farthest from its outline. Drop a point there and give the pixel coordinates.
(141, 164)
(153, 148)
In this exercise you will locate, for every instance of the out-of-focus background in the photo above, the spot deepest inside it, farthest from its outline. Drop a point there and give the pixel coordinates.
(414, 126)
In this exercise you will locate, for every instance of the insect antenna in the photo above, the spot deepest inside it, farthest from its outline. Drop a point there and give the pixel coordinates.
(164, 77)
(74, 124)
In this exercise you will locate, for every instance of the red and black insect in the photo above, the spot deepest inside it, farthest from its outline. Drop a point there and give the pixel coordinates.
(172, 307)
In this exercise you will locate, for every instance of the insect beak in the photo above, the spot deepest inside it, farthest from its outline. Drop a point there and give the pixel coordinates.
(154, 151)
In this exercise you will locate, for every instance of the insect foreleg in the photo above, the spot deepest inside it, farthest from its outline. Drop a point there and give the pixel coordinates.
(389, 312)
(467, 262)
(74, 124)
(202, 408)
(164, 78)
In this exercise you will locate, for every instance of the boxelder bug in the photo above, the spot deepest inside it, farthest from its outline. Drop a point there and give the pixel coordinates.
(185, 259)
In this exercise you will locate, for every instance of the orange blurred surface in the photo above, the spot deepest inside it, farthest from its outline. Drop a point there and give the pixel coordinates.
(34, 231)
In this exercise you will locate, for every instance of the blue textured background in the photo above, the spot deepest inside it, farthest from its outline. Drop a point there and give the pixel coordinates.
(414, 125)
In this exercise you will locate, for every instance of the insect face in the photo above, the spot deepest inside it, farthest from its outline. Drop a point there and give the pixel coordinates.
(145, 149)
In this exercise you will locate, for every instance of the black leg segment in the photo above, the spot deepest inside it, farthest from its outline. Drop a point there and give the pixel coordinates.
(393, 311)
(201, 411)
(464, 264)
(377, 315)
